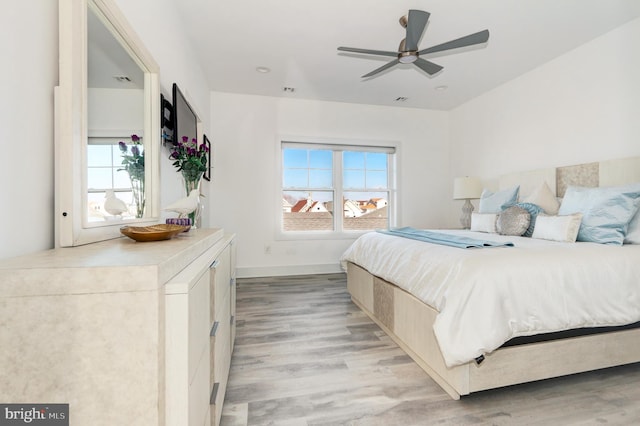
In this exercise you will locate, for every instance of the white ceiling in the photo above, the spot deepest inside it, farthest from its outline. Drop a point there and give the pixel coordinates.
(297, 40)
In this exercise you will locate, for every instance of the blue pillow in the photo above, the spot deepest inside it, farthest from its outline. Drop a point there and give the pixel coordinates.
(606, 212)
(533, 210)
(495, 202)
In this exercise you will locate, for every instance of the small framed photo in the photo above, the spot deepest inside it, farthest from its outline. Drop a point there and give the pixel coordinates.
(207, 143)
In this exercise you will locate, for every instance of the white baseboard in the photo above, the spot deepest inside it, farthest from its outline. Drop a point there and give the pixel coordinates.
(278, 271)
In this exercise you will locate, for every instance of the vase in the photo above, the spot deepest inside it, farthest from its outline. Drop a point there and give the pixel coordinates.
(137, 187)
(191, 182)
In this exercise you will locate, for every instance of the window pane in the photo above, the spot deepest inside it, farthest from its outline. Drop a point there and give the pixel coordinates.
(353, 179)
(99, 178)
(320, 178)
(303, 211)
(294, 158)
(296, 178)
(376, 179)
(98, 155)
(366, 210)
(121, 180)
(353, 160)
(320, 159)
(376, 161)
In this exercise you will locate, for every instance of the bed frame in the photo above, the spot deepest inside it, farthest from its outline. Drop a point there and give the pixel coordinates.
(409, 321)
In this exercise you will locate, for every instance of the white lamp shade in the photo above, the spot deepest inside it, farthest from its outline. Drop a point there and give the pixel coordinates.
(466, 188)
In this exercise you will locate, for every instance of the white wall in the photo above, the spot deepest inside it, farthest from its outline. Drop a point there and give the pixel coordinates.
(158, 23)
(246, 132)
(29, 70)
(29, 73)
(583, 106)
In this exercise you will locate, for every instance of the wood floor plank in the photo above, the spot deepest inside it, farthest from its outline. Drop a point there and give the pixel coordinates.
(306, 355)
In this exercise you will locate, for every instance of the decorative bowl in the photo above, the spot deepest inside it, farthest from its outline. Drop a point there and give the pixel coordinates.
(152, 233)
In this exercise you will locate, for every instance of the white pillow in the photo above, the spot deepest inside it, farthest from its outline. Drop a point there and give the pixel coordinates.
(543, 197)
(557, 228)
(484, 222)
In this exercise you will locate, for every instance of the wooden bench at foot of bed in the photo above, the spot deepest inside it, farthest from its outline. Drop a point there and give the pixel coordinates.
(409, 322)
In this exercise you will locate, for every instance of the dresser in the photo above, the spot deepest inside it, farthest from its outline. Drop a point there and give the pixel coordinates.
(124, 332)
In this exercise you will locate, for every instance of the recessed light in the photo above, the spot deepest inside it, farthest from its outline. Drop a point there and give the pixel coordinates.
(442, 87)
(263, 70)
(289, 89)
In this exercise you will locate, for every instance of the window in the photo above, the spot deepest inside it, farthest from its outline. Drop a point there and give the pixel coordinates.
(332, 188)
(104, 158)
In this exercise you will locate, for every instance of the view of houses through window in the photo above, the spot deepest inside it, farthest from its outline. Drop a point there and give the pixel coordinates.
(320, 181)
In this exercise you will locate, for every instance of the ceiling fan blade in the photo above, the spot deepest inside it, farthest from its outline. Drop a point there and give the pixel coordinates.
(470, 40)
(382, 68)
(416, 23)
(367, 51)
(426, 66)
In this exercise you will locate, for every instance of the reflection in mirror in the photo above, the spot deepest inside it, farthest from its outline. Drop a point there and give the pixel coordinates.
(115, 120)
(108, 94)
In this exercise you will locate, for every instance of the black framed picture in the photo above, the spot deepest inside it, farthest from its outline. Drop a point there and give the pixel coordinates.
(207, 173)
(166, 120)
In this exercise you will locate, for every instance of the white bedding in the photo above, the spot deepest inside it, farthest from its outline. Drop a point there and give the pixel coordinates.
(487, 296)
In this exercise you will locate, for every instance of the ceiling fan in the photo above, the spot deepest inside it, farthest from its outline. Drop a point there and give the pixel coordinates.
(415, 23)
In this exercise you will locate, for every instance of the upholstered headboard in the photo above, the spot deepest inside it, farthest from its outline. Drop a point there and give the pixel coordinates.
(603, 173)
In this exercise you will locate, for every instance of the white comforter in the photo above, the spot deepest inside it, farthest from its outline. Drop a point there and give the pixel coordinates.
(487, 296)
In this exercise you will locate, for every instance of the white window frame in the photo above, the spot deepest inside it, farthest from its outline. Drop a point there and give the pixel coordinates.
(391, 147)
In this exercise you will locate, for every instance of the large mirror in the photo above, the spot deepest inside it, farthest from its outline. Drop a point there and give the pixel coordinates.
(108, 126)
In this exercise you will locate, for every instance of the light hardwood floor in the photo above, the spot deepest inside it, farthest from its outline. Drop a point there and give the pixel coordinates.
(306, 355)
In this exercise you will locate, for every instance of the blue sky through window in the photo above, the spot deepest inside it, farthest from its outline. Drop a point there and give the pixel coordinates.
(309, 168)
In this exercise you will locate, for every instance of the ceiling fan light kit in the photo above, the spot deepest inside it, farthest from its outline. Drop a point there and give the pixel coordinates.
(415, 23)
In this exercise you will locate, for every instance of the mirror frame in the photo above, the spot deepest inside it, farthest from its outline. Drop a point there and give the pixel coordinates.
(72, 227)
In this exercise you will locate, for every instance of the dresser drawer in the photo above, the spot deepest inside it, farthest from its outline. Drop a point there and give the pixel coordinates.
(198, 327)
(220, 351)
(199, 393)
(220, 282)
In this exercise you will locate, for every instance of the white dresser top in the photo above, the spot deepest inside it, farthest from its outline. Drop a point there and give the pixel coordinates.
(116, 265)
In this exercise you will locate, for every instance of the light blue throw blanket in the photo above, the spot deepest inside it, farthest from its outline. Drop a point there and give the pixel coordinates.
(442, 238)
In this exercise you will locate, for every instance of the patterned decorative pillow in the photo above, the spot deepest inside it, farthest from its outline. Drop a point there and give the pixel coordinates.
(513, 221)
(534, 210)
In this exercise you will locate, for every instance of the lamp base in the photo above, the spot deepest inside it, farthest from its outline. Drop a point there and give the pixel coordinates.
(465, 219)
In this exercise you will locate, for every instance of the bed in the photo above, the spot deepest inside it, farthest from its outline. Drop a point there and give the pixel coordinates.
(477, 319)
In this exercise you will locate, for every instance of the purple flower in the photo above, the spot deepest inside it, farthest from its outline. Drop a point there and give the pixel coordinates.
(135, 150)
(135, 138)
(185, 139)
(175, 155)
(123, 146)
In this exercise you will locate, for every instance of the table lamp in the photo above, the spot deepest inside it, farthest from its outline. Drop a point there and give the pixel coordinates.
(466, 188)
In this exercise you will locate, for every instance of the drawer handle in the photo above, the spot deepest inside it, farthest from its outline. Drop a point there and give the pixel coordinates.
(214, 329)
(214, 264)
(232, 318)
(214, 393)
